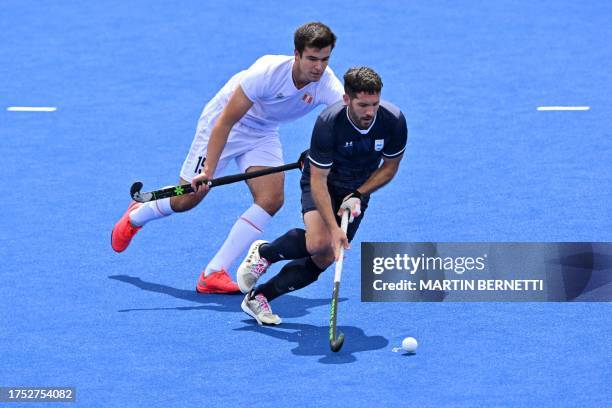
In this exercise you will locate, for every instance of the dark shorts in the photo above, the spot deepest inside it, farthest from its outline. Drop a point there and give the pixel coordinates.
(336, 195)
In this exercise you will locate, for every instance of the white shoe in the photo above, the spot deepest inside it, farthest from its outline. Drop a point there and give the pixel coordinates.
(258, 308)
(251, 269)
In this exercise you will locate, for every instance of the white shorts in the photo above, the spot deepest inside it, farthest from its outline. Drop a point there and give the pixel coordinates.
(248, 146)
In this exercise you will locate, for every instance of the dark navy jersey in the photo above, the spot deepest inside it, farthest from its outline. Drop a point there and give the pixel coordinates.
(350, 154)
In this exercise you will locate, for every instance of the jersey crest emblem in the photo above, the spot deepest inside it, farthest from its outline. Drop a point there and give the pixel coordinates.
(307, 98)
(379, 144)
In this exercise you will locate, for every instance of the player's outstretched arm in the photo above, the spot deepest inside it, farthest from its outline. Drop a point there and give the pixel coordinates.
(383, 175)
(238, 105)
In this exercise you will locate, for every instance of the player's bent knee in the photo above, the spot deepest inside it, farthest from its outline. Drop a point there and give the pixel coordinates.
(318, 246)
(328, 259)
(271, 204)
(324, 260)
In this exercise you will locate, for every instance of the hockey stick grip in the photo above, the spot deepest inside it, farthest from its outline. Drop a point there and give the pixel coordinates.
(246, 176)
(183, 189)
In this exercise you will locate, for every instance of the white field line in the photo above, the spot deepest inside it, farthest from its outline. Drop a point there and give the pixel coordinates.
(564, 108)
(31, 109)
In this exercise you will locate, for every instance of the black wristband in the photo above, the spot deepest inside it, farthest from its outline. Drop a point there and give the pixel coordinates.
(357, 194)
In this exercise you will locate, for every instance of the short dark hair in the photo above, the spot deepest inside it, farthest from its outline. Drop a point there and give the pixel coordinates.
(316, 35)
(362, 79)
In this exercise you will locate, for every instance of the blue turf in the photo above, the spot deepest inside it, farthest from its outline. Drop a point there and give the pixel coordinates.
(130, 79)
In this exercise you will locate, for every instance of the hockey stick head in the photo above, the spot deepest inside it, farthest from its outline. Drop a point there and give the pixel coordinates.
(137, 195)
(336, 344)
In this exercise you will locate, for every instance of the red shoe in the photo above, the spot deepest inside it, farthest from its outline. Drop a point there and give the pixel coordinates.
(217, 282)
(124, 231)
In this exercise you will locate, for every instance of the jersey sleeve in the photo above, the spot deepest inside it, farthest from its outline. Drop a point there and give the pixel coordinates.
(398, 139)
(321, 152)
(254, 79)
(331, 90)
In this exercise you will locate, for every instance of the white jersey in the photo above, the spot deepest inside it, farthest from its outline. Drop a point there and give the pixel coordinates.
(253, 141)
(269, 85)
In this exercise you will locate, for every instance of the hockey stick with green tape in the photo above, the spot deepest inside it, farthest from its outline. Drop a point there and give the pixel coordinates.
(336, 338)
(137, 195)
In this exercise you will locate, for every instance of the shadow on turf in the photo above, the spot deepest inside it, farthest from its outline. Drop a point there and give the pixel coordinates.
(313, 340)
(293, 306)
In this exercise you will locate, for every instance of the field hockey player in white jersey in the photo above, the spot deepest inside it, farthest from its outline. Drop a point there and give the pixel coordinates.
(241, 123)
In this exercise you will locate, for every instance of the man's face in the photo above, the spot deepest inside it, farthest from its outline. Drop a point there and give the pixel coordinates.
(312, 62)
(363, 108)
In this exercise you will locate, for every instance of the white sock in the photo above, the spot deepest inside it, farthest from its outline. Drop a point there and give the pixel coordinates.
(247, 229)
(151, 211)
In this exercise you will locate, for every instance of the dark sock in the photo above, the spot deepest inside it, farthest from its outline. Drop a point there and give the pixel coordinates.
(295, 275)
(292, 245)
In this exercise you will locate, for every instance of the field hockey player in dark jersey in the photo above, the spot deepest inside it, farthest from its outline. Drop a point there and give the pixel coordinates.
(356, 148)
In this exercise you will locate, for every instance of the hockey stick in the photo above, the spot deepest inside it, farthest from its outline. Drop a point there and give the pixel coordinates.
(182, 189)
(336, 338)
